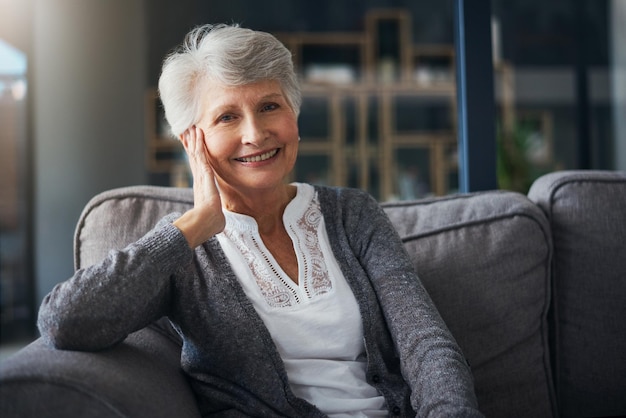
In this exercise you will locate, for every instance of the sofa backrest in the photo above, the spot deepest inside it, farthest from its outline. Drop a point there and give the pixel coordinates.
(118, 217)
(485, 260)
(587, 213)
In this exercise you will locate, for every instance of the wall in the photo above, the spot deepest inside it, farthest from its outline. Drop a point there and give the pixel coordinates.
(88, 80)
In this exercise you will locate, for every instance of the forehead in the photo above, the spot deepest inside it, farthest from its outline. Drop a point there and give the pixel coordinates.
(217, 95)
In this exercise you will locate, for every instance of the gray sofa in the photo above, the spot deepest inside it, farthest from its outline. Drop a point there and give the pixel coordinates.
(532, 287)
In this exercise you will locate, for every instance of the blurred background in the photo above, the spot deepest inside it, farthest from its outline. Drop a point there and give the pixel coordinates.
(79, 113)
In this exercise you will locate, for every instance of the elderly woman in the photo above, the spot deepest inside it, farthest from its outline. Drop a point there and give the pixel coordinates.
(292, 300)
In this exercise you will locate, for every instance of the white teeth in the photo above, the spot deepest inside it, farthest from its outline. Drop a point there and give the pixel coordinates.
(258, 158)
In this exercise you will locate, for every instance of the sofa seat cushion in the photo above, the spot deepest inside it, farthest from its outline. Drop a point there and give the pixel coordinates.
(485, 260)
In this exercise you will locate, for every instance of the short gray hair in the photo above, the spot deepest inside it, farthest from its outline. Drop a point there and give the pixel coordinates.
(227, 54)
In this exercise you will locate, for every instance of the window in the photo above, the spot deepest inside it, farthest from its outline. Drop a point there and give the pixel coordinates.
(567, 65)
(15, 275)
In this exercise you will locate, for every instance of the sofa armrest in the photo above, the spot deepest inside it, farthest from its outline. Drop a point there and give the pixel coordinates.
(140, 377)
(586, 209)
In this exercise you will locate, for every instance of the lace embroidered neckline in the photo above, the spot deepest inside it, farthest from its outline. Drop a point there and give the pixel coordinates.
(304, 222)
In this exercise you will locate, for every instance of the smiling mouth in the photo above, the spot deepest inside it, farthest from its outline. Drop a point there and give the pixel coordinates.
(259, 158)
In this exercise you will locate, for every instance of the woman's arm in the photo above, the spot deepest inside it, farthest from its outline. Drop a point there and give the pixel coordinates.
(431, 361)
(100, 305)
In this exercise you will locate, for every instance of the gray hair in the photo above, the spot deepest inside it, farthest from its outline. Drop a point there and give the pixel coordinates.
(229, 55)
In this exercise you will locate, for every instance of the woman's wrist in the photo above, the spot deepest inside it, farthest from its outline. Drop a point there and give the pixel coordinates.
(197, 227)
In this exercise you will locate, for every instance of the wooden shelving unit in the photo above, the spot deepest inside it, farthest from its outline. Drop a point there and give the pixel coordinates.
(362, 149)
(165, 155)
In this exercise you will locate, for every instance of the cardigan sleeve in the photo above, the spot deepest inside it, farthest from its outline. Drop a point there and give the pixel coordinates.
(101, 304)
(431, 361)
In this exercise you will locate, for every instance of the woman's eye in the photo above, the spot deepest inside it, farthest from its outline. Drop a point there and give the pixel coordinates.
(225, 118)
(269, 107)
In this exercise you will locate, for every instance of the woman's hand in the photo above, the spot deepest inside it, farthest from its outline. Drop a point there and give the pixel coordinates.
(206, 218)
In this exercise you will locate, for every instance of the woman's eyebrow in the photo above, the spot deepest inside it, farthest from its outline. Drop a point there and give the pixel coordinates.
(271, 96)
(225, 107)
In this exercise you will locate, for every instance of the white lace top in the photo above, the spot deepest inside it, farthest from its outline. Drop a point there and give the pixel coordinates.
(315, 324)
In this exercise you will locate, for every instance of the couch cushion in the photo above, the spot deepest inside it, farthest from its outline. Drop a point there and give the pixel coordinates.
(587, 212)
(485, 260)
(118, 217)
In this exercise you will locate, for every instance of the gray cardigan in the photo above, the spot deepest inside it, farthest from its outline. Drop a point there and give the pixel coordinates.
(228, 353)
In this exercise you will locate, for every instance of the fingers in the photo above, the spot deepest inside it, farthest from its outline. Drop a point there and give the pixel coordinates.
(185, 138)
(195, 147)
(193, 142)
(204, 185)
(206, 218)
(199, 145)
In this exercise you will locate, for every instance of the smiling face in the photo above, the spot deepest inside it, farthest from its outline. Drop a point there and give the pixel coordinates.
(251, 134)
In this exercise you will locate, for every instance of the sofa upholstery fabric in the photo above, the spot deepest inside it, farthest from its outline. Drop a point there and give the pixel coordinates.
(587, 214)
(139, 378)
(496, 311)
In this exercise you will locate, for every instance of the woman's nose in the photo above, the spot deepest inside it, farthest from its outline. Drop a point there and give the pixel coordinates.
(253, 131)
